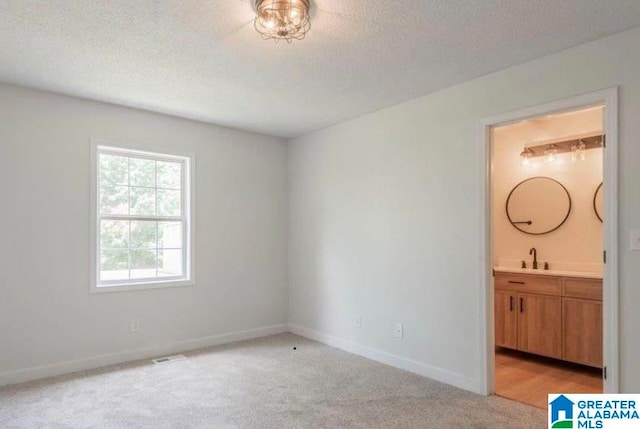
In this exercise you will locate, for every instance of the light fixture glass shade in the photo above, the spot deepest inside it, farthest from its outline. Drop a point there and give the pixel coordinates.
(525, 157)
(582, 148)
(578, 151)
(574, 153)
(282, 19)
(551, 153)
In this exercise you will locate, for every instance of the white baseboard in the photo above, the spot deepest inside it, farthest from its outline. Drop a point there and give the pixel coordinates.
(59, 368)
(419, 368)
(67, 367)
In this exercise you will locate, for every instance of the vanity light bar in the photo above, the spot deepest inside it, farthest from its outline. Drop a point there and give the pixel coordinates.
(590, 142)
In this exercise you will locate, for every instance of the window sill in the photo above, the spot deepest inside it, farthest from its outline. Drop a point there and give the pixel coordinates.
(141, 286)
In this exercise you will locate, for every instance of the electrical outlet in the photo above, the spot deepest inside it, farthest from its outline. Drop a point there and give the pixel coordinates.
(397, 332)
(357, 321)
(135, 325)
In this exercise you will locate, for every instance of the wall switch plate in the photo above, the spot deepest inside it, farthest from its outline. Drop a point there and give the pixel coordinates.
(635, 239)
(357, 321)
(135, 325)
(397, 332)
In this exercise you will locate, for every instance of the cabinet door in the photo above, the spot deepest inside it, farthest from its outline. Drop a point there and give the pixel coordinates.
(505, 319)
(540, 324)
(582, 322)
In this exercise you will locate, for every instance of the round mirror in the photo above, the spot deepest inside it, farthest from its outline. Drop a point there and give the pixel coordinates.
(598, 203)
(538, 205)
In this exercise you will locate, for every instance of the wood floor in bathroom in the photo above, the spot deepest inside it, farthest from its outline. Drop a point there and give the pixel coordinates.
(527, 378)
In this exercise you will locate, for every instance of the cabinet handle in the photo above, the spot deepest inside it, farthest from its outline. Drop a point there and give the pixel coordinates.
(513, 282)
(521, 305)
(510, 303)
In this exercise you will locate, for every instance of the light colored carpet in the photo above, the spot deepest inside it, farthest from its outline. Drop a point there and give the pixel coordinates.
(261, 383)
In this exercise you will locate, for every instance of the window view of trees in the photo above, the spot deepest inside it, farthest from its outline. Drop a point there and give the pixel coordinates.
(141, 217)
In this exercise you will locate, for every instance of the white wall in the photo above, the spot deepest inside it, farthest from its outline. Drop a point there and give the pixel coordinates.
(48, 316)
(577, 244)
(384, 212)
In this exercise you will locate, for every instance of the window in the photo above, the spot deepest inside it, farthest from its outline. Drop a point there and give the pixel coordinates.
(142, 219)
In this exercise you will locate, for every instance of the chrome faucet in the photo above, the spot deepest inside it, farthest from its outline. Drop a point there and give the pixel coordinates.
(534, 252)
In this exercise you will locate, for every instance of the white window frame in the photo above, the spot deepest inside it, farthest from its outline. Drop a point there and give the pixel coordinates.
(99, 146)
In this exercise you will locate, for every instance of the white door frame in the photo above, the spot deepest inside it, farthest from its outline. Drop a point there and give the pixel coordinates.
(608, 98)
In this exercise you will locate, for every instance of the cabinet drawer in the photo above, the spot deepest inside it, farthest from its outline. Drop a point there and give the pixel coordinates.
(583, 288)
(542, 285)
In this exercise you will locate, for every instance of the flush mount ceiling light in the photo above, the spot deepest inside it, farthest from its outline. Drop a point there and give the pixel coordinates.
(282, 19)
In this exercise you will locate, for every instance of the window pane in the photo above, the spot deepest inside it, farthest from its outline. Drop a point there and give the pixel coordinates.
(143, 201)
(114, 169)
(170, 235)
(142, 172)
(143, 264)
(169, 175)
(134, 190)
(143, 235)
(114, 265)
(114, 234)
(169, 203)
(169, 263)
(113, 199)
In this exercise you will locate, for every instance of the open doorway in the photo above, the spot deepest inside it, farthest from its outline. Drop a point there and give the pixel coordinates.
(550, 302)
(547, 241)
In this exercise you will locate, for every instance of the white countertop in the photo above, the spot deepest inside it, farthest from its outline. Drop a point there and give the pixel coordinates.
(581, 274)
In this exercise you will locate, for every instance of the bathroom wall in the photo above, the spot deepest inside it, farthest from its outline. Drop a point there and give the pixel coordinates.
(577, 244)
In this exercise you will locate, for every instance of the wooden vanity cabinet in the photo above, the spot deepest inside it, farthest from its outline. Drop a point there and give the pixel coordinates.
(539, 324)
(582, 321)
(506, 320)
(534, 321)
(550, 316)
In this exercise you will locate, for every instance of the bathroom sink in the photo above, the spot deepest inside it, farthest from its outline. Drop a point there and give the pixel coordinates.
(582, 274)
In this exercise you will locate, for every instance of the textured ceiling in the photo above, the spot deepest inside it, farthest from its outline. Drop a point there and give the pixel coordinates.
(201, 59)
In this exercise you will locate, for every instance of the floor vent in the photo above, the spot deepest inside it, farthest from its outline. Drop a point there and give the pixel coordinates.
(167, 359)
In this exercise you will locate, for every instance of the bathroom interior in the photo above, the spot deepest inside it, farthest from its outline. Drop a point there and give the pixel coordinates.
(547, 252)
